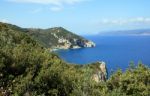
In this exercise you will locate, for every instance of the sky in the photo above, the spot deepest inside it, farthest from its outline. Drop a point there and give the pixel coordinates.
(79, 16)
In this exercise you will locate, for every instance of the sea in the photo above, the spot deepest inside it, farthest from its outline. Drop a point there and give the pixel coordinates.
(116, 51)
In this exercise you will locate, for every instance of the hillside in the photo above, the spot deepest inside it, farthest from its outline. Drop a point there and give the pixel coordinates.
(60, 38)
(55, 38)
(28, 69)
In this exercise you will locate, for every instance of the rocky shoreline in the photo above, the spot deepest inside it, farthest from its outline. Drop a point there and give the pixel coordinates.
(66, 47)
(75, 44)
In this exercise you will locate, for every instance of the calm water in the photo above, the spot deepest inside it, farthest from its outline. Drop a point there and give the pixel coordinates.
(116, 51)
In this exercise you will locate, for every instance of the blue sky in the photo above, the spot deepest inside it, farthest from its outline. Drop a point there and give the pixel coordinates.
(79, 16)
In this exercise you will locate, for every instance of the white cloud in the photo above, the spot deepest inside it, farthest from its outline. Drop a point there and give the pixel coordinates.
(4, 20)
(55, 5)
(52, 2)
(137, 20)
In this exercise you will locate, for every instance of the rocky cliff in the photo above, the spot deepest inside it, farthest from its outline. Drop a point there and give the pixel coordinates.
(100, 72)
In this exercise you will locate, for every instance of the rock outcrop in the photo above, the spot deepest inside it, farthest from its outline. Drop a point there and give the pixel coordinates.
(101, 72)
(64, 43)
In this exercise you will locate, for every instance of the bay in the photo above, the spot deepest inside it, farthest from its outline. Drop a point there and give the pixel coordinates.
(116, 51)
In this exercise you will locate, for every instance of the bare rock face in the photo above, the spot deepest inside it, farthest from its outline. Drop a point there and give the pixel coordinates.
(85, 43)
(64, 43)
(101, 73)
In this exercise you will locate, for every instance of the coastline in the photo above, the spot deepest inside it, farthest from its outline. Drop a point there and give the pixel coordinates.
(57, 49)
(89, 44)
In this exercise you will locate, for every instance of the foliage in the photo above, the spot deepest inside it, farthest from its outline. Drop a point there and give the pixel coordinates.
(27, 68)
(135, 82)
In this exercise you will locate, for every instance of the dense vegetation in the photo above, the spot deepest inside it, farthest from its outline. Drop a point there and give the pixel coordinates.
(48, 37)
(27, 68)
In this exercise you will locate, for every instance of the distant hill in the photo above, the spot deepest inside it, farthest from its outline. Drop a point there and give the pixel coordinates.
(127, 32)
(59, 37)
(56, 37)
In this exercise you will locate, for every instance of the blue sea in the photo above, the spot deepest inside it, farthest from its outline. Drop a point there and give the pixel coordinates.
(116, 51)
